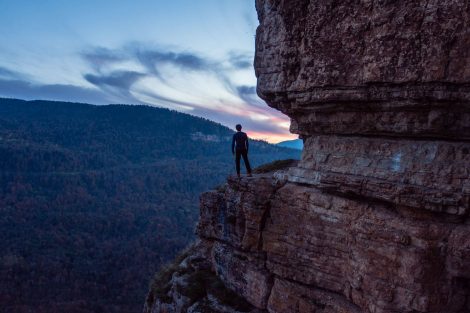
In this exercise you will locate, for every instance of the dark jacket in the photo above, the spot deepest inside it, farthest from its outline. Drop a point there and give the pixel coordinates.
(239, 142)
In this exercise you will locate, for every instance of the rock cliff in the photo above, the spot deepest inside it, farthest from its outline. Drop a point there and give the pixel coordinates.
(375, 216)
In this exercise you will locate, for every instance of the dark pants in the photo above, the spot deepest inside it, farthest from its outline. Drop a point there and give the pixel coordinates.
(242, 153)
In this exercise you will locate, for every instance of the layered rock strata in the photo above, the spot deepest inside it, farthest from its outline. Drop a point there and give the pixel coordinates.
(375, 217)
(372, 68)
(289, 247)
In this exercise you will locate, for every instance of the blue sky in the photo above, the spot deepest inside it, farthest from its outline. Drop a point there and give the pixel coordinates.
(192, 56)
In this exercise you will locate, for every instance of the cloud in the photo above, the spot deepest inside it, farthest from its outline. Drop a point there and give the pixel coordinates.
(118, 79)
(150, 58)
(249, 95)
(100, 57)
(241, 60)
(29, 91)
(246, 90)
(184, 60)
(153, 59)
(6, 73)
(159, 100)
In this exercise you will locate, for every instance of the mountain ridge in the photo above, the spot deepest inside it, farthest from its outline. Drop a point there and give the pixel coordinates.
(293, 144)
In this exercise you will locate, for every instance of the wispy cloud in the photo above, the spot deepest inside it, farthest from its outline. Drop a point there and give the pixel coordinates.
(100, 57)
(120, 79)
(184, 60)
(240, 60)
(26, 90)
(248, 95)
(6, 73)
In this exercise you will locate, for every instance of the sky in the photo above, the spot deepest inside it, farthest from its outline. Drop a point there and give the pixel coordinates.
(192, 56)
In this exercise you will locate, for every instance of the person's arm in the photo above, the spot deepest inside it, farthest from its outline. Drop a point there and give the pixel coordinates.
(246, 143)
(233, 144)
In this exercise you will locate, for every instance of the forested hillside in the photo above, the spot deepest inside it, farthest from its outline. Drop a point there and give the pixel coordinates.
(94, 198)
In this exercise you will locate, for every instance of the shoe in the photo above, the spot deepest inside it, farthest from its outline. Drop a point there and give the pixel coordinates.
(249, 175)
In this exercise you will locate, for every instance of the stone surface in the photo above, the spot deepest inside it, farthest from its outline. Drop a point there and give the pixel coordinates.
(292, 297)
(429, 175)
(244, 273)
(316, 251)
(194, 288)
(375, 217)
(368, 256)
(237, 214)
(367, 67)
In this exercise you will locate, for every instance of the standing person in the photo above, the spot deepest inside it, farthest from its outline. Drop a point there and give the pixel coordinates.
(240, 149)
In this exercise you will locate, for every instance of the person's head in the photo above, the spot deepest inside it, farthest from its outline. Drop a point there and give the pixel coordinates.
(238, 127)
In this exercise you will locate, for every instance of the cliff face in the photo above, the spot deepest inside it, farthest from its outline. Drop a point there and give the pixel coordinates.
(389, 68)
(375, 217)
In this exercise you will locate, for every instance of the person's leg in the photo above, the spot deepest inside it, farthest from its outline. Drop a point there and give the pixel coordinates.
(237, 162)
(247, 163)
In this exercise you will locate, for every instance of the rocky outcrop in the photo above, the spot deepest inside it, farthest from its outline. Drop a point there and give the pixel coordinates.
(289, 247)
(375, 217)
(380, 68)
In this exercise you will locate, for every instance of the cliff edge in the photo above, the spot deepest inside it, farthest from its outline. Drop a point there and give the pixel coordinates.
(375, 216)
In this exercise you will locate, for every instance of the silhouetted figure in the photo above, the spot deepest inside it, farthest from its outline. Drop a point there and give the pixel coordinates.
(240, 149)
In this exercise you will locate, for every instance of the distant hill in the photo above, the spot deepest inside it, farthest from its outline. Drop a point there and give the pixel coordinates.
(94, 199)
(293, 144)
